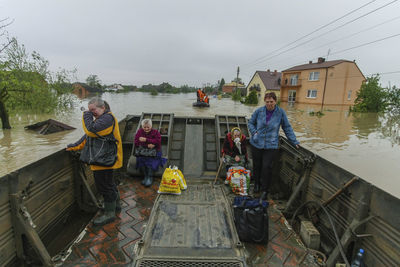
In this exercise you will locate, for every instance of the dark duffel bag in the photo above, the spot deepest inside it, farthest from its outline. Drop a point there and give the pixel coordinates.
(251, 219)
(100, 150)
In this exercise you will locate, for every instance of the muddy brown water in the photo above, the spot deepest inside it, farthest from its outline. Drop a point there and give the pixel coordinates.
(364, 144)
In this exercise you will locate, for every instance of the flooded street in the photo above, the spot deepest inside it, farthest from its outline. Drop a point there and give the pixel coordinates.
(364, 144)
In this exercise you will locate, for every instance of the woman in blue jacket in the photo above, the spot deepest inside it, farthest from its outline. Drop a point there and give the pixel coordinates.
(264, 127)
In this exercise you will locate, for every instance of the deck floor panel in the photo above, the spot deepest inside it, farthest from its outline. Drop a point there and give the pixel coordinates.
(113, 244)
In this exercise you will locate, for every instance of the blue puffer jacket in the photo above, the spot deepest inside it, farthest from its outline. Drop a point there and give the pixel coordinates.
(265, 136)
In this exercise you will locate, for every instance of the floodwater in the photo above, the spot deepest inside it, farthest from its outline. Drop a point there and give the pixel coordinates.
(367, 145)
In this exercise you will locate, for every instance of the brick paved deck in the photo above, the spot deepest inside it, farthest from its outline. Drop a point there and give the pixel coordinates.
(112, 244)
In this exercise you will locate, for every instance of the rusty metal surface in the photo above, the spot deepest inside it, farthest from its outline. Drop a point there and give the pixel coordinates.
(113, 244)
(367, 216)
(193, 227)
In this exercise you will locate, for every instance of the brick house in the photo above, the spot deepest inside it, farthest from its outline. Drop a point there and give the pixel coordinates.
(334, 82)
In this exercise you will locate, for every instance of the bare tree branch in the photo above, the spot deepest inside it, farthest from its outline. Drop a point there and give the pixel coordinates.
(6, 45)
(2, 26)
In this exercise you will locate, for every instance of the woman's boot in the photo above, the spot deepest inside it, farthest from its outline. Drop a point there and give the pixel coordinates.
(149, 179)
(144, 171)
(118, 203)
(108, 215)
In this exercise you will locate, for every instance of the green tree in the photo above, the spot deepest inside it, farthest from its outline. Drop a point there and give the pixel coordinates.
(93, 81)
(252, 98)
(221, 83)
(26, 84)
(393, 99)
(371, 97)
(236, 95)
(238, 80)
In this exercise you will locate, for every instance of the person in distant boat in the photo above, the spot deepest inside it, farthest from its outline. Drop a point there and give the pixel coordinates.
(148, 138)
(201, 96)
(99, 120)
(234, 149)
(264, 126)
(206, 100)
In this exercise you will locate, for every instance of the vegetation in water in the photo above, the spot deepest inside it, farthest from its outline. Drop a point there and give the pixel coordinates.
(371, 97)
(236, 95)
(252, 98)
(27, 84)
(318, 113)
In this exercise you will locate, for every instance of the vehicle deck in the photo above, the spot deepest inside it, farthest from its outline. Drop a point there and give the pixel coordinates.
(113, 244)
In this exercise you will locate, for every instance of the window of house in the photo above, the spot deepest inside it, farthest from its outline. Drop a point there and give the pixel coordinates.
(294, 79)
(314, 76)
(349, 95)
(312, 93)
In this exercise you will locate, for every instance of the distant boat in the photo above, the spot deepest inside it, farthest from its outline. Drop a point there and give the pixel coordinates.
(201, 104)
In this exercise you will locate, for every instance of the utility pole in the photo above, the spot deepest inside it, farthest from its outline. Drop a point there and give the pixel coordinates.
(323, 94)
(237, 78)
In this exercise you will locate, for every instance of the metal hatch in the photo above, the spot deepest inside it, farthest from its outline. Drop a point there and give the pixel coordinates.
(193, 229)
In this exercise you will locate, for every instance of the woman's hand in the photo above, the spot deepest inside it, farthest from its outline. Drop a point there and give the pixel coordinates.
(150, 146)
(142, 139)
(237, 158)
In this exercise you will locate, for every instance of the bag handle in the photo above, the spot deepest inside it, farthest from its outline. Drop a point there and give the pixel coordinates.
(246, 219)
(247, 228)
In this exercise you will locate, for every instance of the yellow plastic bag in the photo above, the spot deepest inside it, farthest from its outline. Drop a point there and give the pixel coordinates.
(172, 181)
(182, 181)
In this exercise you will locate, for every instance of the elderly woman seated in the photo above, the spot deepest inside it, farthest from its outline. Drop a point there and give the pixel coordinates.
(148, 151)
(234, 149)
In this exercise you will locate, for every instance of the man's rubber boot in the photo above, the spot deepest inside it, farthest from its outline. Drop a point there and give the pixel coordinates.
(256, 187)
(118, 203)
(264, 195)
(108, 215)
(149, 178)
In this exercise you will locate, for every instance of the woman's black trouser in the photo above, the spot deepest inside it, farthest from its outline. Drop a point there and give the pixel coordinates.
(263, 160)
(105, 184)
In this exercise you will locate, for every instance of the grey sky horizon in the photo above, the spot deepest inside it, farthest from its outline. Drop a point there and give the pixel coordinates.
(199, 42)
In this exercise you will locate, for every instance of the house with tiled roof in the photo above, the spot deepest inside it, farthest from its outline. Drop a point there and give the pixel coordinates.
(230, 87)
(334, 82)
(82, 90)
(265, 82)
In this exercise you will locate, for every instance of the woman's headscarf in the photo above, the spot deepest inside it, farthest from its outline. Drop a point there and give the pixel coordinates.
(237, 139)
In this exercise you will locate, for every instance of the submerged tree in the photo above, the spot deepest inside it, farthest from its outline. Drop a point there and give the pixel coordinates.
(26, 83)
(371, 97)
(221, 84)
(393, 100)
(93, 81)
(252, 98)
(5, 42)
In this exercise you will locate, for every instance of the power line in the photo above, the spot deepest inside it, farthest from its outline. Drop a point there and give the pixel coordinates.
(366, 14)
(382, 39)
(304, 36)
(354, 34)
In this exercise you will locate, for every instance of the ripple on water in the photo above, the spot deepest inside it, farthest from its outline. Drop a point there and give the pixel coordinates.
(365, 144)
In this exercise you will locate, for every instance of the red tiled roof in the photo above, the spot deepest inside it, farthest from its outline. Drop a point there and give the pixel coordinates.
(270, 79)
(317, 65)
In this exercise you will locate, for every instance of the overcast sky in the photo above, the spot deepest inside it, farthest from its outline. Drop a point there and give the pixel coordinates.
(197, 42)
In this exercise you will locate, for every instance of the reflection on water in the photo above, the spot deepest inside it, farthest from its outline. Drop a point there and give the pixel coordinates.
(365, 144)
